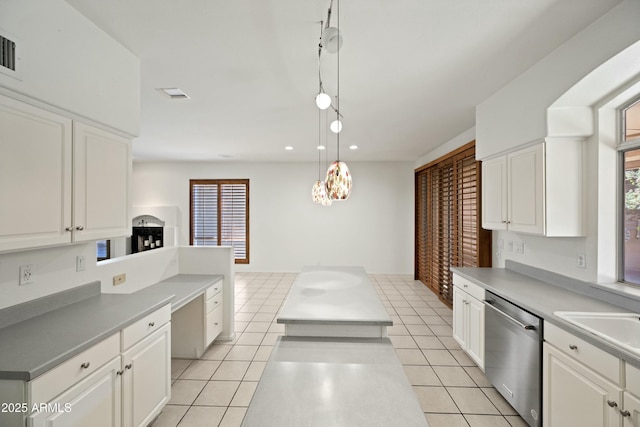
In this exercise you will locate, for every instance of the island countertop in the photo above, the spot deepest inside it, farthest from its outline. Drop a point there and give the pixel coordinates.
(333, 295)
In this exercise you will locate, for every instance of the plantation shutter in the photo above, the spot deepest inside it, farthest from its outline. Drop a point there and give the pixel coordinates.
(204, 217)
(447, 222)
(220, 215)
(233, 225)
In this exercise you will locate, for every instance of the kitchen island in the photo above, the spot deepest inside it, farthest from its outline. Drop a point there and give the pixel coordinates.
(334, 302)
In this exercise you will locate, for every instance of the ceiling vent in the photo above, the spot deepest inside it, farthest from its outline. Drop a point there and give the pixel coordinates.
(10, 55)
(173, 93)
(7, 53)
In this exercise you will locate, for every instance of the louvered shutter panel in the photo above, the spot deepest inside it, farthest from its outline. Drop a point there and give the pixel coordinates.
(204, 219)
(448, 232)
(233, 225)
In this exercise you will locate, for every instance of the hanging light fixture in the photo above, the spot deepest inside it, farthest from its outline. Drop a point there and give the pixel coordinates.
(338, 175)
(319, 189)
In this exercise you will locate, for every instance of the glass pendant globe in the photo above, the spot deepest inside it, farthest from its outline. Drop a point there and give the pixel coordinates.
(338, 181)
(323, 101)
(332, 39)
(319, 194)
(335, 126)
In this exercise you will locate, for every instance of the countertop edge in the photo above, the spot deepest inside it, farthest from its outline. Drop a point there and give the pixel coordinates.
(585, 335)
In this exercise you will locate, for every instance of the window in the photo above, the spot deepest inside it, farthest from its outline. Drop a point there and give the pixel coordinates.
(103, 249)
(220, 215)
(630, 152)
(448, 232)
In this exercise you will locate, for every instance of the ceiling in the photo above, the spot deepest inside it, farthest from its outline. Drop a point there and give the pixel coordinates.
(411, 71)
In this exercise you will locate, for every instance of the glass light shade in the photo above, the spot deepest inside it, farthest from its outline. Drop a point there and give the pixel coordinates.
(338, 181)
(323, 101)
(335, 126)
(332, 39)
(319, 194)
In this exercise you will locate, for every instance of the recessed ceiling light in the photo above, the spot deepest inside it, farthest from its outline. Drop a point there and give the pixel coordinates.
(353, 147)
(288, 148)
(321, 147)
(173, 93)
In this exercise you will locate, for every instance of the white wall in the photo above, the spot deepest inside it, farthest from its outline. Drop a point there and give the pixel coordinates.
(516, 114)
(374, 228)
(69, 63)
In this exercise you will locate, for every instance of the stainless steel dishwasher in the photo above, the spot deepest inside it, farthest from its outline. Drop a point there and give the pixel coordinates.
(513, 356)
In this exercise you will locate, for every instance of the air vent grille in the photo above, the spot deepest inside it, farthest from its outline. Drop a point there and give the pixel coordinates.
(7, 53)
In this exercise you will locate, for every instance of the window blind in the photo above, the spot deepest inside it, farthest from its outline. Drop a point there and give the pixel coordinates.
(220, 215)
(447, 222)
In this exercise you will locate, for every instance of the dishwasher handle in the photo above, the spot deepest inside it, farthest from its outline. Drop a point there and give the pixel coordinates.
(517, 322)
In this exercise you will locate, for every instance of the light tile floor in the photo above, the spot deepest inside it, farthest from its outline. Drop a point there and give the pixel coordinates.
(216, 389)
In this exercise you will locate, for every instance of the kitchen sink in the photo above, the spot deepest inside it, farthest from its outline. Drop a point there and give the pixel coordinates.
(621, 329)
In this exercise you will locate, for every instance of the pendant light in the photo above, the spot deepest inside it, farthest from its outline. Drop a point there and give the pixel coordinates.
(319, 190)
(338, 175)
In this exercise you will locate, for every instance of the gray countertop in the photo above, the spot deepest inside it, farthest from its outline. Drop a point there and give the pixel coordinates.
(334, 295)
(33, 346)
(318, 382)
(543, 299)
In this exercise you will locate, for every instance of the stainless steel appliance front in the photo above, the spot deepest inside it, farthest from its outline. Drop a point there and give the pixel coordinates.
(513, 356)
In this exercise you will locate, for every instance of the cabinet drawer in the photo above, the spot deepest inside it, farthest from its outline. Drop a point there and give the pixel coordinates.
(214, 302)
(53, 382)
(213, 289)
(214, 324)
(143, 327)
(469, 287)
(599, 360)
(633, 380)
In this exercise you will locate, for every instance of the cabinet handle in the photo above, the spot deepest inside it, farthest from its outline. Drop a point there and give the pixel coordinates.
(573, 347)
(128, 366)
(79, 228)
(152, 324)
(504, 221)
(625, 413)
(69, 229)
(215, 302)
(119, 372)
(612, 403)
(215, 324)
(85, 365)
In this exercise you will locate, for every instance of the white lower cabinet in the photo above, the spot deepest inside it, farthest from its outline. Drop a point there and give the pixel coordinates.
(574, 395)
(146, 378)
(122, 381)
(468, 318)
(196, 325)
(583, 385)
(95, 401)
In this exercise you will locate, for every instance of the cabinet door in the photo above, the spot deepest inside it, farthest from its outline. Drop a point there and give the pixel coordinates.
(525, 190)
(632, 406)
(102, 169)
(35, 176)
(494, 194)
(459, 316)
(574, 395)
(147, 378)
(475, 335)
(94, 401)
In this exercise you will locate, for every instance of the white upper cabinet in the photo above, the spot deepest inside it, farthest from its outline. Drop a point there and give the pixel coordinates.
(60, 181)
(101, 170)
(536, 190)
(35, 176)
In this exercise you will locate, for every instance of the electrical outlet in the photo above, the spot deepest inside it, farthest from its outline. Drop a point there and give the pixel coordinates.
(81, 264)
(26, 274)
(510, 245)
(582, 261)
(520, 247)
(119, 279)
